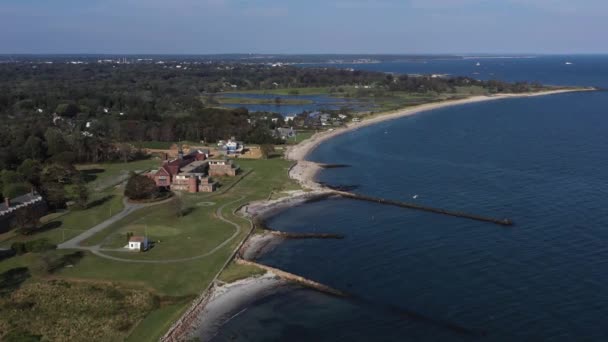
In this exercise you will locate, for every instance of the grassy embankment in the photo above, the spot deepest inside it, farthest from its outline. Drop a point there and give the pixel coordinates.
(193, 236)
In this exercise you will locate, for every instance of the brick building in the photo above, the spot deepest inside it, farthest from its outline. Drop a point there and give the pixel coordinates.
(192, 173)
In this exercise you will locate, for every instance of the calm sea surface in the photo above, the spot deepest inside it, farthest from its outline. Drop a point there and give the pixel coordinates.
(415, 276)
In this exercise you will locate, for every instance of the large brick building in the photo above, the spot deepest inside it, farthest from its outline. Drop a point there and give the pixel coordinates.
(192, 172)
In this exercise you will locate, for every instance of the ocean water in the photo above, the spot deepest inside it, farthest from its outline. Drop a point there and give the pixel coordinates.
(417, 276)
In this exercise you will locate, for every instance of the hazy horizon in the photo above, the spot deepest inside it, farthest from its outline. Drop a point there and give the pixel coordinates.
(409, 27)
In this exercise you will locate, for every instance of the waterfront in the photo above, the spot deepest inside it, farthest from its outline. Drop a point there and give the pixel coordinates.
(538, 160)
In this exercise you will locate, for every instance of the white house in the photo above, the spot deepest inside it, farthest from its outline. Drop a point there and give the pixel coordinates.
(289, 118)
(138, 243)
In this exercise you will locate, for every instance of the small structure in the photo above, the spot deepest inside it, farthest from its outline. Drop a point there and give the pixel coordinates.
(219, 168)
(233, 147)
(138, 243)
(285, 133)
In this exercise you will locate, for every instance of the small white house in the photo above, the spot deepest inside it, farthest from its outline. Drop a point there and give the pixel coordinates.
(138, 243)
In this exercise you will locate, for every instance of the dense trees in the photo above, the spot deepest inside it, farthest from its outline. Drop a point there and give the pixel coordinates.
(55, 115)
(141, 188)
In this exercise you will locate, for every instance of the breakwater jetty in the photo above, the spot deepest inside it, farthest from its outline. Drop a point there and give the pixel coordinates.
(295, 278)
(502, 222)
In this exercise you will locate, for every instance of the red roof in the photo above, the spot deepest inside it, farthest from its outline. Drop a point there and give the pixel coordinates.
(137, 239)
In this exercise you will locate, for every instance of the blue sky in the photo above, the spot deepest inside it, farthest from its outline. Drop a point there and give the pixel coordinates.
(309, 26)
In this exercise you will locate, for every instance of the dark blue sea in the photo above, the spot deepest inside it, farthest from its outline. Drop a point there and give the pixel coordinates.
(417, 276)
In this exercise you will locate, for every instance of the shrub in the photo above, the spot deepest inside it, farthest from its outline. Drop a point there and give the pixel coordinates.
(39, 246)
(19, 248)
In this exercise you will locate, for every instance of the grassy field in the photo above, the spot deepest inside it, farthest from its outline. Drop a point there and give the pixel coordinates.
(62, 310)
(106, 175)
(300, 136)
(59, 227)
(192, 235)
(236, 272)
(288, 91)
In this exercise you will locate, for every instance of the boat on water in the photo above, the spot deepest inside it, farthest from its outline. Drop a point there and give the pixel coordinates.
(478, 64)
(568, 63)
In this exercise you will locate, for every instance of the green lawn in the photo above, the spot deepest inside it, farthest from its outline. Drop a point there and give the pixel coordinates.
(300, 136)
(288, 91)
(187, 278)
(59, 227)
(236, 272)
(106, 175)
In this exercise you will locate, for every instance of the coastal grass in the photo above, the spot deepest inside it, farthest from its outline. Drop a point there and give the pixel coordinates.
(157, 322)
(288, 91)
(235, 272)
(300, 136)
(60, 310)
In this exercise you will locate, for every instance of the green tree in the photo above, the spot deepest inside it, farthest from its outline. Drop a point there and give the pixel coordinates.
(34, 148)
(140, 188)
(31, 169)
(266, 150)
(13, 190)
(54, 194)
(81, 193)
(27, 220)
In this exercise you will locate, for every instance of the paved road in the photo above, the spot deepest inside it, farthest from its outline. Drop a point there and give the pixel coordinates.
(129, 208)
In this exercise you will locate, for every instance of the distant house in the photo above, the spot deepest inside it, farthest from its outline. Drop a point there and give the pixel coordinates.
(285, 133)
(289, 118)
(138, 243)
(233, 147)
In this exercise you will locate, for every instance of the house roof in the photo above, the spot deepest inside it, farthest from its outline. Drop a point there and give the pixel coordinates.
(19, 200)
(137, 238)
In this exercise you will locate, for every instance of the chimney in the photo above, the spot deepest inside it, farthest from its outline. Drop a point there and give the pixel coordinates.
(7, 202)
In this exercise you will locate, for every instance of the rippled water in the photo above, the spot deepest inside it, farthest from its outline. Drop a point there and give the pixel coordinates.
(541, 162)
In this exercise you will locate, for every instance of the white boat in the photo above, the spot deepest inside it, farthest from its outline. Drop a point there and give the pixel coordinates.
(568, 63)
(478, 64)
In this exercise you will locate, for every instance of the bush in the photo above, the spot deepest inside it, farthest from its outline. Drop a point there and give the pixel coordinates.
(19, 248)
(39, 246)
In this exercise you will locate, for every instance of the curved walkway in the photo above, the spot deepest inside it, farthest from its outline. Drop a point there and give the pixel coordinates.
(97, 250)
(74, 243)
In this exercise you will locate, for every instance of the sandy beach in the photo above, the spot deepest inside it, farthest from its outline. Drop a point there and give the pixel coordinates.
(305, 171)
(227, 301)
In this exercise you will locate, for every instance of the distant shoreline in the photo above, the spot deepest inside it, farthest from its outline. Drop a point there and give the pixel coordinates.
(304, 171)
